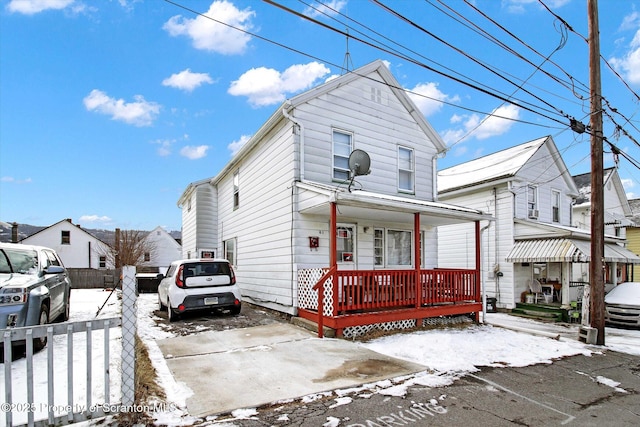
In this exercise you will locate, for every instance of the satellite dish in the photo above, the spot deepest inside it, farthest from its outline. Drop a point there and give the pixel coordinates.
(359, 163)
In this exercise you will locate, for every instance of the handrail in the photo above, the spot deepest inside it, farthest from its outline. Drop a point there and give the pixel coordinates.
(319, 286)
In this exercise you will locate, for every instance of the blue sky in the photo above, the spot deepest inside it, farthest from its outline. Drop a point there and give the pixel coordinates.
(109, 109)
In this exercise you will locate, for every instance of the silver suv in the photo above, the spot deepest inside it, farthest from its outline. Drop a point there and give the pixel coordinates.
(198, 284)
(34, 287)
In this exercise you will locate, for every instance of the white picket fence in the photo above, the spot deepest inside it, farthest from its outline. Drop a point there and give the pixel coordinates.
(26, 403)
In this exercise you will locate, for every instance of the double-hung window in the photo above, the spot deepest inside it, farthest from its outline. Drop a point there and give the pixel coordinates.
(555, 205)
(342, 147)
(65, 237)
(532, 201)
(406, 175)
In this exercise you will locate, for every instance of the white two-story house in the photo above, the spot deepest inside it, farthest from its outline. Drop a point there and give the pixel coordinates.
(287, 208)
(531, 194)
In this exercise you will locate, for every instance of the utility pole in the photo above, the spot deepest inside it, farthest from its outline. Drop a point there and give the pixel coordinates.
(596, 266)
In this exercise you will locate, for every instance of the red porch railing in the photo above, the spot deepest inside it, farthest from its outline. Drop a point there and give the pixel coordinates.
(361, 292)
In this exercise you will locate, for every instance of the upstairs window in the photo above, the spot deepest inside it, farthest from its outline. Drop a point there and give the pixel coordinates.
(405, 170)
(555, 206)
(236, 190)
(342, 147)
(65, 237)
(532, 201)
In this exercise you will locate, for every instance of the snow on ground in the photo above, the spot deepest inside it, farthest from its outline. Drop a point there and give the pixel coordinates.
(84, 306)
(466, 350)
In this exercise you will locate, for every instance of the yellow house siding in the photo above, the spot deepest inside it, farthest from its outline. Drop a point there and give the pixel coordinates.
(633, 244)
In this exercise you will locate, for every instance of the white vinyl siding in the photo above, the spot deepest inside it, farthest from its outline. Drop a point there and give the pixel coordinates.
(374, 126)
(262, 226)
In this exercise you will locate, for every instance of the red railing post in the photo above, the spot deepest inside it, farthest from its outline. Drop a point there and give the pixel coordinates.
(417, 286)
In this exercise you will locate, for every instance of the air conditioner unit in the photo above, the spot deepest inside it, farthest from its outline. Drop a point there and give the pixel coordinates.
(533, 213)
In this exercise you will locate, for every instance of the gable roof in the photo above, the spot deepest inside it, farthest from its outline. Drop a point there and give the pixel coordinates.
(67, 220)
(610, 176)
(499, 167)
(364, 72)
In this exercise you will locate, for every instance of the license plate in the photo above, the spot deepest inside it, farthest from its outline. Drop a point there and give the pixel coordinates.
(211, 301)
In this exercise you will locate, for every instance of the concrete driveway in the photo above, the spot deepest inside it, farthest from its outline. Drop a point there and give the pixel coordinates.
(254, 366)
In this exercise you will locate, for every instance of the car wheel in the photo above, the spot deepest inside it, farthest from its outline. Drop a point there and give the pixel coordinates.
(40, 343)
(160, 304)
(235, 310)
(171, 314)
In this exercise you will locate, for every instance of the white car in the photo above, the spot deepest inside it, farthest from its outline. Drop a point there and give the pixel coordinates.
(198, 284)
(622, 305)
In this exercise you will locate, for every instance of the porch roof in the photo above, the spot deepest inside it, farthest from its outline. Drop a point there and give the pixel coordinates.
(566, 250)
(383, 207)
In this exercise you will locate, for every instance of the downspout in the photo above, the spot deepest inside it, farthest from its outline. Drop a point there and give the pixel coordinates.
(434, 173)
(300, 135)
(496, 264)
(482, 279)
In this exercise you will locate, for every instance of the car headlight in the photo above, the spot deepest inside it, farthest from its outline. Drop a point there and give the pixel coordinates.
(13, 296)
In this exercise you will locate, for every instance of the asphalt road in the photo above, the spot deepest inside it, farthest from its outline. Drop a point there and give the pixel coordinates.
(575, 391)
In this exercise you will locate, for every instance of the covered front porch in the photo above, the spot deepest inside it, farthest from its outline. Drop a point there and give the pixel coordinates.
(364, 290)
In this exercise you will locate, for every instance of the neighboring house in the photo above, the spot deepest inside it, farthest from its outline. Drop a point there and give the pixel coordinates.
(161, 249)
(530, 191)
(617, 217)
(286, 211)
(617, 211)
(633, 237)
(77, 248)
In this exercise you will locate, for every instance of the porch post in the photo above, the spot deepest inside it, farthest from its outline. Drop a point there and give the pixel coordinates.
(478, 290)
(417, 285)
(333, 261)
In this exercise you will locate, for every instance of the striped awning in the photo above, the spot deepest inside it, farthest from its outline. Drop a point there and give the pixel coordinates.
(566, 250)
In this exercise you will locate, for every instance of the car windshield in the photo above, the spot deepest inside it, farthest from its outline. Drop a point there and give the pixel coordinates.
(206, 269)
(20, 261)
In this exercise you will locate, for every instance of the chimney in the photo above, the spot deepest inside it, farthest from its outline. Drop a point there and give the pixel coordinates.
(14, 232)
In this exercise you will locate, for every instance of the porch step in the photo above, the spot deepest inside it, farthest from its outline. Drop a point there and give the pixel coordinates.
(313, 326)
(541, 312)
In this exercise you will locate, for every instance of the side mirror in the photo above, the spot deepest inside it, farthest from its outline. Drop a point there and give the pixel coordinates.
(160, 276)
(54, 269)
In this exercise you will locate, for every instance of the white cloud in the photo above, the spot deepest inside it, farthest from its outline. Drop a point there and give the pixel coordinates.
(629, 64)
(94, 218)
(164, 146)
(15, 181)
(235, 146)
(428, 98)
(266, 86)
(31, 7)
(628, 183)
(630, 21)
(138, 113)
(194, 153)
(207, 34)
(327, 8)
(520, 6)
(186, 80)
(473, 126)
